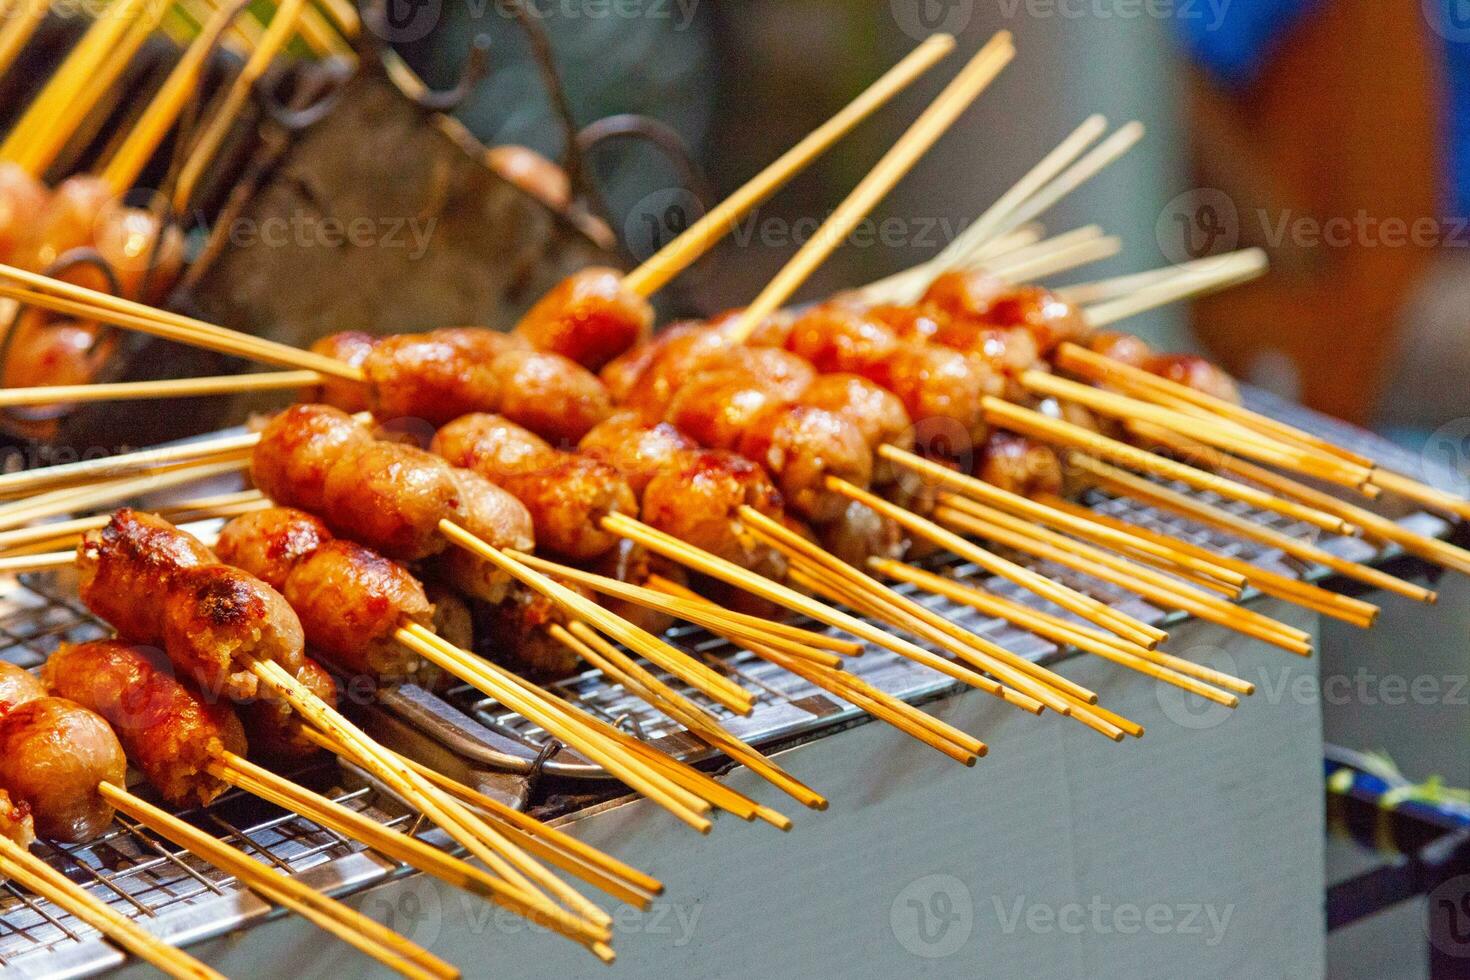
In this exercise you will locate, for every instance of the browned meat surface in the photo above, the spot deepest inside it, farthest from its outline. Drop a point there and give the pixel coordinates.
(1124, 347)
(716, 410)
(127, 567)
(1020, 465)
(802, 446)
(938, 385)
(390, 497)
(218, 620)
(298, 448)
(859, 533)
(515, 632)
(435, 376)
(350, 347)
(1050, 318)
(170, 730)
(588, 317)
(18, 686)
(963, 295)
(698, 497)
(567, 502)
(16, 823)
(630, 562)
(53, 755)
(636, 450)
(1197, 373)
(551, 395)
(269, 543)
(877, 412)
(495, 516)
(272, 726)
(836, 338)
(351, 600)
(492, 446)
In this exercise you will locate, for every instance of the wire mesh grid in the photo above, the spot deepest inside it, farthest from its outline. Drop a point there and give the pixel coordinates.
(133, 870)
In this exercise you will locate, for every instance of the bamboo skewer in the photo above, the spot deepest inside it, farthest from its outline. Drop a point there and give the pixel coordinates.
(937, 734)
(353, 928)
(1222, 436)
(1080, 527)
(21, 23)
(1227, 270)
(973, 518)
(147, 390)
(977, 651)
(656, 272)
(108, 467)
(1095, 612)
(1129, 485)
(1054, 628)
(85, 498)
(35, 874)
(1028, 422)
(1345, 608)
(925, 131)
(675, 550)
(184, 511)
(1371, 524)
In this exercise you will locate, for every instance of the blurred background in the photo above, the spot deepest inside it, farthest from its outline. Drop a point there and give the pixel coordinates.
(1333, 133)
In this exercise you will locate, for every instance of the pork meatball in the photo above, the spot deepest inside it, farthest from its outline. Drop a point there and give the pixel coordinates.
(298, 448)
(697, 499)
(390, 497)
(551, 395)
(835, 338)
(567, 502)
(877, 412)
(351, 347)
(219, 620)
(1197, 373)
(435, 376)
(18, 686)
(635, 450)
(493, 446)
(495, 516)
(589, 317)
(269, 543)
(802, 446)
(1019, 465)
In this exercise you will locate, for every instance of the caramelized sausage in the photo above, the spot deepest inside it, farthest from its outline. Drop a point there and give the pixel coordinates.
(551, 395)
(495, 516)
(53, 755)
(126, 566)
(435, 376)
(588, 317)
(802, 446)
(269, 543)
(351, 347)
(298, 448)
(636, 450)
(697, 499)
(272, 725)
(390, 497)
(170, 731)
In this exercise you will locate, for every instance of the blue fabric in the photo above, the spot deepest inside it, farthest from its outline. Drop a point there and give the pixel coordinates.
(1456, 37)
(1233, 39)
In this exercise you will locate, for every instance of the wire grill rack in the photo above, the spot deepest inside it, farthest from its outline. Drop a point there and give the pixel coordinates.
(147, 878)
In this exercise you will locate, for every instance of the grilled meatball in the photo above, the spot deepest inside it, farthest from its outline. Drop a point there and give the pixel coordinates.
(963, 295)
(624, 373)
(493, 446)
(68, 220)
(351, 600)
(936, 383)
(351, 347)
(272, 725)
(16, 822)
(22, 199)
(435, 376)
(516, 633)
(170, 730)
(567, 502)
(717, 409)
(53, 755)
(298, 448)
(496, 517)
(1049, 317)
(1122, 347)
(1017, 464)
(588, 317)
(679, 356)
(1197, 373)
(783, 373)
(218, 620)
(836, 338)
(269, 543)
(877, 412)
(859, 533)
(48, 351)
(18, 686)
(145, 252)
(636, 450)
(128, 565)
(551, 395)
(390, 497)
(698, 497)
(921, 323)
(803, 445)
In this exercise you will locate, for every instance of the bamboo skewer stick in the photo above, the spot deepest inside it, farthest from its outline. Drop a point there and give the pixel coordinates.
(937, 734)
(561, 849)
(1345, 608)
(148, 390)
(1090, 609)
(1129, 283)
(1034, 424)
(21, 24)
(916, 141)
(1129, 485)
(353, 928)
(656, 272)
(35, 874)
(1052, 627)
(675, 550)
(1222, 436)
(1100, 533)
(973, 518)
(198, 508)
(85, 498)
(1231, 270)
(481, 840)
(108, 467)
(1371, 524)
(982, 653)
